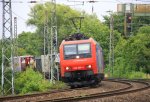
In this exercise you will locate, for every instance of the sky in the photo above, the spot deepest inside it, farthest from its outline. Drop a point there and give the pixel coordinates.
(21, 10)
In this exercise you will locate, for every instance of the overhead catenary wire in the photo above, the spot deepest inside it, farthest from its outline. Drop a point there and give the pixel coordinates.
(91, 1)
(19, 16)
(134, 1)
(31, 1)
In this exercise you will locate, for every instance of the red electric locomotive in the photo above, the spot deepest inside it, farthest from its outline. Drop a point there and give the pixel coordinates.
(81, 62)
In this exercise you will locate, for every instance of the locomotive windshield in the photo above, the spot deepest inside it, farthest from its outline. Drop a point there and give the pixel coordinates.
(70, 49)
(73, 50)
(83, 48)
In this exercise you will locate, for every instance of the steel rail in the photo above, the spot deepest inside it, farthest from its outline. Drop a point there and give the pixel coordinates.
(102, 95)
(14, 97)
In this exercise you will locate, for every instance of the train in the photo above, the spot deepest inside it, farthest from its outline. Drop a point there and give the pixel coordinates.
(22, 62)
(81, 62)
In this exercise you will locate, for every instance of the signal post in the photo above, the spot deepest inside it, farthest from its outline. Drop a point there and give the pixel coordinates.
(128, 20)
(129, 11)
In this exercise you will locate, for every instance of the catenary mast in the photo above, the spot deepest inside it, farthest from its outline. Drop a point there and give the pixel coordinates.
(7, 49)
(54, 45)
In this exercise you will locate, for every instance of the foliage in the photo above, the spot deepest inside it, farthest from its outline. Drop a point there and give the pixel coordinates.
(118, 22)
(129, 75)
(132, 57)
(7, 79)
(137, 75)
(30, 81)
(133, 54)
(64, 13)
(137, 22)
(29, 43)
(90, 26)
(32, 43)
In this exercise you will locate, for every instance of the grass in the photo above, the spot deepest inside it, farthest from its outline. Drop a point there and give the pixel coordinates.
(128, 75)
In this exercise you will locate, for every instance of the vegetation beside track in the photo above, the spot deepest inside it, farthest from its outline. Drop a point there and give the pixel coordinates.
(31, 81)
(132, 57)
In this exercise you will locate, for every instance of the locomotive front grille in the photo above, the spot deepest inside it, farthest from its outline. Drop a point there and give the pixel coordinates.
(79, 75)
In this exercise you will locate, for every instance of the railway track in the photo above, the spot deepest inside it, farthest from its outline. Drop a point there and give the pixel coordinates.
(105, 94)
(7, 98)
(127, 89)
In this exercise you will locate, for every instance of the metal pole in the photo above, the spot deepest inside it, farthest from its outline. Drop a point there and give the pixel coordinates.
(44, 50)
(53, 50)
(125, 25)
(7, 48)
(111, 46)
(112, 32)
(15, 38)
(110, 50)
(12, 48)
(15, 49)
(46, 40)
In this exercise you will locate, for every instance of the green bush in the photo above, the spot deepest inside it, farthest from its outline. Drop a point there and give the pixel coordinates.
(30, 81)
(128, 75)
(137, 75)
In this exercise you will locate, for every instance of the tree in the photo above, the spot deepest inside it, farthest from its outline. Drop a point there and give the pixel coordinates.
(138, 22)
(133, 54)
(64, 13)
(29, 43)
(143, 44)
(118, 22)
(90, 26)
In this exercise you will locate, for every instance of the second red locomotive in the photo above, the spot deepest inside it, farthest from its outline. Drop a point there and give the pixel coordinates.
(81, 62)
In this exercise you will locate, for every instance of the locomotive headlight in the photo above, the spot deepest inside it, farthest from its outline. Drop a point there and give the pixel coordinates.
(89, 66)
(77, 56)
(68, 68)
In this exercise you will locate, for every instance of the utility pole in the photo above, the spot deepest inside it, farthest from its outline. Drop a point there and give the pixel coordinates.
(15, 44)
(92, 1)
(125, 25)
(111, 45)
(46, 45)
(15, 38)
(7, 49)
(54, 47)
